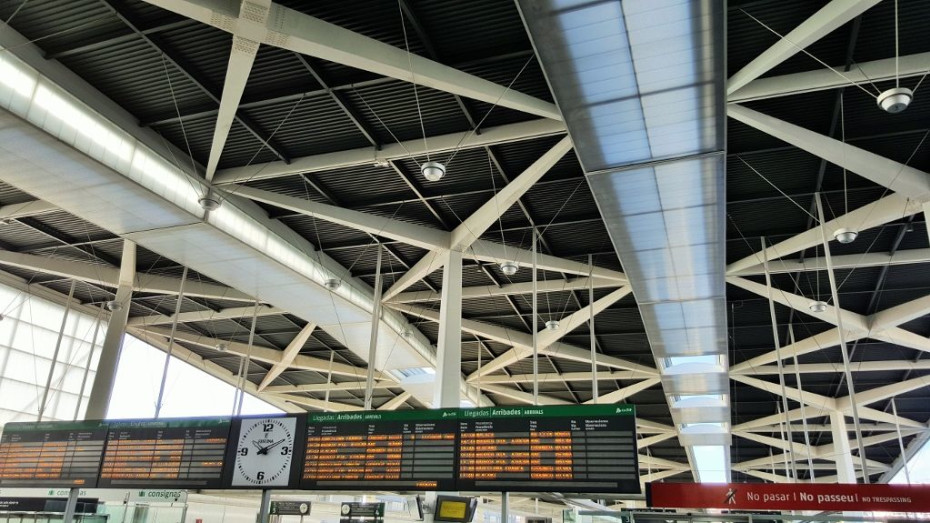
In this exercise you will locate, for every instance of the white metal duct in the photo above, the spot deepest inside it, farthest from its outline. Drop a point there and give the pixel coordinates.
(640, 84)
(58, 149)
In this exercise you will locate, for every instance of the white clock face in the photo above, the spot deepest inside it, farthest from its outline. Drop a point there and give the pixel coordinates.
(264, 453)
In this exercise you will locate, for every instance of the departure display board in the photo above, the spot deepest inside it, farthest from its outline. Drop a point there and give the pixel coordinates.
(168, 453)
(398, 450)
(578, 448)
(59, 454)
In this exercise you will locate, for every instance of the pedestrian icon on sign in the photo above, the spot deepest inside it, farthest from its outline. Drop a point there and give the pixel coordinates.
(731, 497)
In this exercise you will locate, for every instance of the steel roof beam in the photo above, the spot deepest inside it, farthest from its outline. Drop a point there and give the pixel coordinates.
(510, 289)
(258, 353)
(823, 79)
(824, 368)
(197, 79)
(241, 58)
(522, 397)
(620, 395)
(584, 377)
(13, 211)
(890, 208)
(205, 315)
(523, 340)
(105, 42)
(287, 356)
(860, 326)
(274, 100)
(302, 33)
(323, 387)
(823, 403)
(434, 240)
(820, 24)
(547, 338)
(393, 151)
(470, 230)
(845, 261)
(108, 276)
(896, 176)
(218, 371)
(326, 406)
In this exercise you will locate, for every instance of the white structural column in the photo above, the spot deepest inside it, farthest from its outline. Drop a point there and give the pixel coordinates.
(113, 341)
(253, 16)
(449, 345)
(842, 454)
(820, 24)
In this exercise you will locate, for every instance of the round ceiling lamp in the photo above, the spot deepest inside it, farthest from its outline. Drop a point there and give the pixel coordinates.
(895, 100)
(552, 325)
(222, 346)
(509, 268)
(433, 171)
(817, 306)
(114, 306)
(210, 202)
(332, 283)
(844, 235)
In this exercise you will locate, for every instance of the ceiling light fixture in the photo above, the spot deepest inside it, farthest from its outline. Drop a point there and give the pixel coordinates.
(332, 284)
(114, 306)
(433, 171)
(381, 163)
(844, 235)
(509, 268)
(210, 201)
(895, 100)
(817, 306)
(552, 325)
(222, 346)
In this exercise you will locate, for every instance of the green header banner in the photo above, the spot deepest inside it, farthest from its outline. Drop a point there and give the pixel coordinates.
(46, 426)
(191, 423)
(388, 415)
(551, 411)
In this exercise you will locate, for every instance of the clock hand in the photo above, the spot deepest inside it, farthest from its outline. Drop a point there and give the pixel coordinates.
(273, 445)
(261, 450)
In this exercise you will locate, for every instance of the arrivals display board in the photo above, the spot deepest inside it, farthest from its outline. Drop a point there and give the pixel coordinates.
(186, 453)
(59, 454)
(398, 450)
(577, 448)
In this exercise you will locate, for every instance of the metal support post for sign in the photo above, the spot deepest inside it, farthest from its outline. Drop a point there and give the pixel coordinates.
(238, 381)
(71, 505)
(781, 369)
(329, 380)
(174, 328)
(505, 507)
(248, 361)
(61, 336)
(90, 359)
(844, 350)
(797, 378)
(373, 342)
(594, 391)
(535, 329)
(265, 506)
(897, 428)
